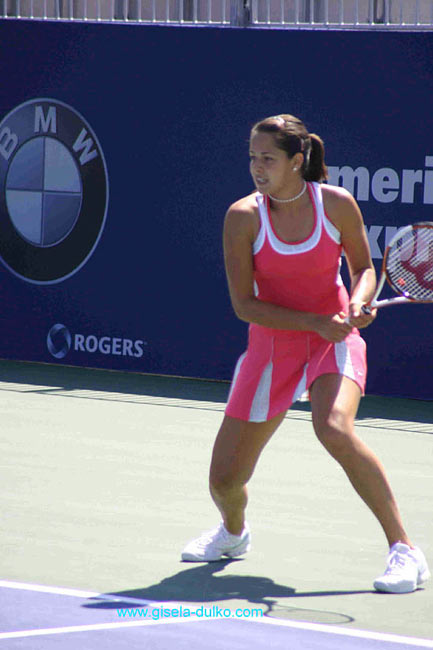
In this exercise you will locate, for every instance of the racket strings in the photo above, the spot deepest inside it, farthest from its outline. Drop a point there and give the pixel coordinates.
(409, 265)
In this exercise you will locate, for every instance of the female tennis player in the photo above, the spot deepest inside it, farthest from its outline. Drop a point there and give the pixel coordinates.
(283, 247)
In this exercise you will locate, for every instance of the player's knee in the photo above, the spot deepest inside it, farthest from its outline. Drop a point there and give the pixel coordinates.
(335, 434)
(223, 480)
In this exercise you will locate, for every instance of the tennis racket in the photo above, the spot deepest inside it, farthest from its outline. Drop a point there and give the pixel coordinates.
(407, 267)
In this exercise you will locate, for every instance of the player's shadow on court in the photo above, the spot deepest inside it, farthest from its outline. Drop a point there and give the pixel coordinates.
(202, 584)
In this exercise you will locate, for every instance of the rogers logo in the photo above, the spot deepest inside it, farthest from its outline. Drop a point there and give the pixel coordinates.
(107, 345)
(61, 342)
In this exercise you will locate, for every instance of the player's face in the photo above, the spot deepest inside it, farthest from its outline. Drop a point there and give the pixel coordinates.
(270, 166)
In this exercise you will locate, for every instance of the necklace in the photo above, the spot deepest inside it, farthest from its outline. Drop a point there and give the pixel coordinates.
(298, 196)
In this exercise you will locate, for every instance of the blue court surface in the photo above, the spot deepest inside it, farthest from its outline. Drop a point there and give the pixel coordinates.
(34, 617)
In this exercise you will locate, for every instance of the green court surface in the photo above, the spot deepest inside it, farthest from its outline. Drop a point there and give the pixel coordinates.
(104, 480)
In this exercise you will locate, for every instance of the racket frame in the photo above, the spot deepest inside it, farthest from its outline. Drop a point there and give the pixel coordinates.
(374, 303)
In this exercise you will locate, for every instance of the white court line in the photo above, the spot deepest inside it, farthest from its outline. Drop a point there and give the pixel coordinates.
(359, 634)
(77, 593)
(312, 627)
(59, 591)
(95, 627)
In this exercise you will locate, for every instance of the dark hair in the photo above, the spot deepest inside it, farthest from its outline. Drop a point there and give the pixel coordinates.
(291, 135)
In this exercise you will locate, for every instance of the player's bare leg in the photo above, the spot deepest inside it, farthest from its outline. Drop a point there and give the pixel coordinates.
(334, 401)
(235, 454)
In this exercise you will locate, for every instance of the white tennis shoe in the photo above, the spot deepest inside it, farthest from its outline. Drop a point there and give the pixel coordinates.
(406, 569)
(216, 544)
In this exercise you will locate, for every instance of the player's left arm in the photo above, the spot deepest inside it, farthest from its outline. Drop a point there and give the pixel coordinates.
(344, 211)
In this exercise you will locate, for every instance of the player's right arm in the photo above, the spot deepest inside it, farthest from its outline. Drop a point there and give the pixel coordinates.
(240, 230)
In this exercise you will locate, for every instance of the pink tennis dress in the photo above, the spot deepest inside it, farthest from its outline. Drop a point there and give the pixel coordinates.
(280, 365)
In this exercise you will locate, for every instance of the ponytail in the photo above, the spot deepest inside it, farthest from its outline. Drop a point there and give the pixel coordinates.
(314, 168)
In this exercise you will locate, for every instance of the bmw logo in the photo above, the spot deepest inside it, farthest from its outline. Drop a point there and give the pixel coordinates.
(59, 341)
(53, 191)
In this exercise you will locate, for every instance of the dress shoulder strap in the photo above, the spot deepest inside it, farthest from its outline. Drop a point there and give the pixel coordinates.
(263, 214)
(332, 231)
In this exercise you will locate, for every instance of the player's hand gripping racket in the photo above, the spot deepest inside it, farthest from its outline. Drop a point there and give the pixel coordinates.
(407, 266)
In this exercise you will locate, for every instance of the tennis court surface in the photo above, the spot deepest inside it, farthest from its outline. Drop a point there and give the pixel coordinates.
(104, 480)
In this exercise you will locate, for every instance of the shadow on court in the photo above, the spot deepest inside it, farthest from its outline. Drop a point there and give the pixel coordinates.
(407, 410)
(202, 584)
(73, 378)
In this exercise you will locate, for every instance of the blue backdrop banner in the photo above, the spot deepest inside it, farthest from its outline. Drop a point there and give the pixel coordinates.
(121, 148)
